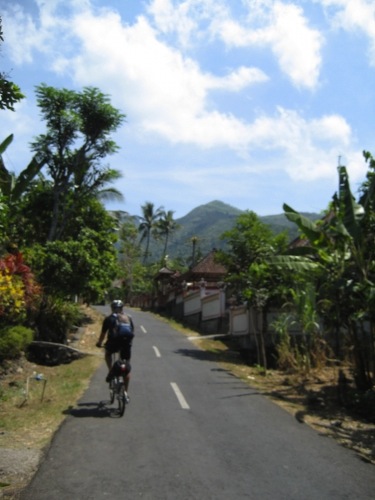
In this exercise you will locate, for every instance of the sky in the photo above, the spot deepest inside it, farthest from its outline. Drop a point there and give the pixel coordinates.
(251, 102)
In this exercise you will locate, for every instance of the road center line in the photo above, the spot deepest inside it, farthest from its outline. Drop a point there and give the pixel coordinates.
(180, 396)
(143, 329)
(157, 352)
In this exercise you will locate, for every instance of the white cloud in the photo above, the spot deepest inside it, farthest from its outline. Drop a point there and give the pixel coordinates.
(166, 93)
(283, 28)
(296, 46)
(169, 92)
(354, 15)
(189, 20)
(21, 34)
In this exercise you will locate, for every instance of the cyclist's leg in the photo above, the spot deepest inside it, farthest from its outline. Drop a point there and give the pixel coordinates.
(127, 381)
(125, 350)
(111, 348)
(108, 359)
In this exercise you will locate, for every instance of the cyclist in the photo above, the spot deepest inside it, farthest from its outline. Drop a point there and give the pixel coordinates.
(119, 329)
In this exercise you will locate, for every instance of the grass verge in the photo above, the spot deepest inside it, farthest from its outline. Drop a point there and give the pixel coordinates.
(31, 411)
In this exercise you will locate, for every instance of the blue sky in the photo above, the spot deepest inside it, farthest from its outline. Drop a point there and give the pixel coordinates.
(249, 102)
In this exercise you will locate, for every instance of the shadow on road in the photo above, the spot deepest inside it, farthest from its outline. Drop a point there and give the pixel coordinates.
(92, 410)
(199, 354)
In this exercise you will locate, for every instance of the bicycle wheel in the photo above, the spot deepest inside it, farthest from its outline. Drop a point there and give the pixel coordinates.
(112, 386)
(121, 399)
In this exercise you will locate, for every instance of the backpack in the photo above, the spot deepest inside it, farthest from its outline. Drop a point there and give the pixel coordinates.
(123, 327)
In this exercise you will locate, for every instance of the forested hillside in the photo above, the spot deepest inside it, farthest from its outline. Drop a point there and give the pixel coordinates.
(206, 223)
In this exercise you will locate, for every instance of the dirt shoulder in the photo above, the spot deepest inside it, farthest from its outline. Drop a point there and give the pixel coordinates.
(312, 399)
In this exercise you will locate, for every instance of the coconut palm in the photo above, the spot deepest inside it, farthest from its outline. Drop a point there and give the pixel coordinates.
(149, 219)
(166, 225)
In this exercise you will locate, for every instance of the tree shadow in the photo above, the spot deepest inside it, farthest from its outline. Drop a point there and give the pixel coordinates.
(360, 441)
(93, 410)
(200, 355)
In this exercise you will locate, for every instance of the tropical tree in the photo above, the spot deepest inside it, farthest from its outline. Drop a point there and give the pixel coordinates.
(251, 277)
(165, 227)
(129, 257)
(149, 219)
(77, 140)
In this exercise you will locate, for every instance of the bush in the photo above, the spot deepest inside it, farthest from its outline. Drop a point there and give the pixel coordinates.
(14, 340)
(56, 318)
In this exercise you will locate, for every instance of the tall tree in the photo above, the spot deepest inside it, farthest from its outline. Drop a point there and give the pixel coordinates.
(251, 243)
(149, 219)
(166, 226)
(79, 125)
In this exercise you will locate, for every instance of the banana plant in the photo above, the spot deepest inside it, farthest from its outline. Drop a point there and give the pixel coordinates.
(11, 186)
(339, 250)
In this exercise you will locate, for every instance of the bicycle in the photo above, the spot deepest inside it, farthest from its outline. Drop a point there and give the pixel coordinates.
(117, 385)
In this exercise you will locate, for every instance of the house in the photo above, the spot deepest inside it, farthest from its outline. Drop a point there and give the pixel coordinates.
(196, 297)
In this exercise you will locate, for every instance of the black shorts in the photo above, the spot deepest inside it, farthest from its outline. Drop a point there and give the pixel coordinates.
(121, 346)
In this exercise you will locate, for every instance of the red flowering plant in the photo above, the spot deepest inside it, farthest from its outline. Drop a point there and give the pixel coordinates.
(19, 291)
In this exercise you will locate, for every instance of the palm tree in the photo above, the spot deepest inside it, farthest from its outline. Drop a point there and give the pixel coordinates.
(149, 219)
(166, 225)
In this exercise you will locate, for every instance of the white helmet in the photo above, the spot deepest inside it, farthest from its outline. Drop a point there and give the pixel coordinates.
(117, 305)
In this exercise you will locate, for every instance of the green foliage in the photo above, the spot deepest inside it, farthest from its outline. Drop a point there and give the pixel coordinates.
(12, 189)
(77, 140)
(165, 227)
(11, 186)
(56, 318)
(207, 223)
(286, 360)
(14, 340)
(341, 250)
(83, 267)
(148, 225)
(10, 93)
(250, 244)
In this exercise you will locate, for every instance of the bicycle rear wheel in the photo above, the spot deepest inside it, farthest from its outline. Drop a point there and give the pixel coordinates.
(121, 399)
(112, 391)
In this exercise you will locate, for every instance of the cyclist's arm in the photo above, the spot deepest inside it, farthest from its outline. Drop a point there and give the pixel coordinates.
(105, 328)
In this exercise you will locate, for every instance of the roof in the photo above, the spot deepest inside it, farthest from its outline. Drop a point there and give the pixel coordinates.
(207, 267)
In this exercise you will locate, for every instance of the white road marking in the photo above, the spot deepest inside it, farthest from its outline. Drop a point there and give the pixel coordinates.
(143, 329)
(157, 352)
(180, 396)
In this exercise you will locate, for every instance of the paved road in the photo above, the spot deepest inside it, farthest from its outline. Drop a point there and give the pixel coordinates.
(191, 431)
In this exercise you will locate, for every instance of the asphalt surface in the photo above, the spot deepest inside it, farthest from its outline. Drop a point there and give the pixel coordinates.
(191, 431)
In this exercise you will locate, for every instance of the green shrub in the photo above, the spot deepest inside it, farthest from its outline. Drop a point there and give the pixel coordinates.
(56, 318)
(14, 340)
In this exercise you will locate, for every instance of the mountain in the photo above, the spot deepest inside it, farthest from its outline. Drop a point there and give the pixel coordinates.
(207, 223)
